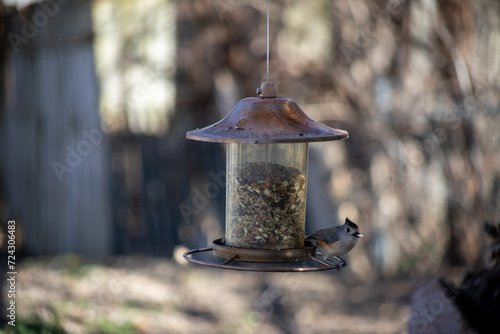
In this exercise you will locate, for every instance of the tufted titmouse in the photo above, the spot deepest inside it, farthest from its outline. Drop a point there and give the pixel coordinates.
(337, 240)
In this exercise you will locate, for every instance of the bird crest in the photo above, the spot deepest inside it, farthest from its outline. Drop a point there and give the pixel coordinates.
(351, 224)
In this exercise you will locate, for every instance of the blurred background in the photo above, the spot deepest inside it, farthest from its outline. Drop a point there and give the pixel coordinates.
(106, 192)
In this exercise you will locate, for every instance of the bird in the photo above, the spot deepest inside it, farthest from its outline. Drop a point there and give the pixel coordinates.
(335, 241)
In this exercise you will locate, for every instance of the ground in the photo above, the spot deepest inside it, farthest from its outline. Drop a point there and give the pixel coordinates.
(152, 295)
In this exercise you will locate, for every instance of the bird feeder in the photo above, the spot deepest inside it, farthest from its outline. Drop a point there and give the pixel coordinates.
(266, 183)
(266, 179)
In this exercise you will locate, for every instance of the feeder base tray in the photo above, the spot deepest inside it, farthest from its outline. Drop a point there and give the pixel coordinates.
(291, 260)
(262, 255)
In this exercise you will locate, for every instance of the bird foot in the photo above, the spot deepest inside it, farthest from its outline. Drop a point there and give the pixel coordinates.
(341, 262)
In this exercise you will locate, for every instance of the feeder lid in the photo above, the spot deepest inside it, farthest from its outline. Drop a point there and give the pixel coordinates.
(266, 119)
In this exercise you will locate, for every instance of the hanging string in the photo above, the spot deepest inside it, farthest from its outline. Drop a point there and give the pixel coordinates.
(267, 70)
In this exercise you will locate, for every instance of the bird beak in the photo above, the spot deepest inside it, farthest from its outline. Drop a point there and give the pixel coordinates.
(357, 235)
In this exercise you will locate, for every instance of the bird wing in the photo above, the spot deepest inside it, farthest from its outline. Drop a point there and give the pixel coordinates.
(315, 237)
(329, 235)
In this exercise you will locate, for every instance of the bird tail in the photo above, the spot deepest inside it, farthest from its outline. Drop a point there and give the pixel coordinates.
(312, 240)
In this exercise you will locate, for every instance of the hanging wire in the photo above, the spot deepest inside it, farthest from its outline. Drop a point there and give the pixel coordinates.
(267, 70)
(267, 64)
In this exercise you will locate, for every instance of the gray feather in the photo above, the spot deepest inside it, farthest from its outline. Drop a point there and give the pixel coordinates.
(329, 235)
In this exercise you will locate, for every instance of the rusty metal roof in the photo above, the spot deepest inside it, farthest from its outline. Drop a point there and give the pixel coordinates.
(266, 119)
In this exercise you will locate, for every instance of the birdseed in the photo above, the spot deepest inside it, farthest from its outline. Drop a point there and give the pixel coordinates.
(266, 207)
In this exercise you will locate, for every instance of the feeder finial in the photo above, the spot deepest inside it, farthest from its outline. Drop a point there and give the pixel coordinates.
(267, 89)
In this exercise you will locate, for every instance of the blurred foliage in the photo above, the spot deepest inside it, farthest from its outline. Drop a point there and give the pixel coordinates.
(32, 326)
(135, 59)
(109, 327)
(37, 326)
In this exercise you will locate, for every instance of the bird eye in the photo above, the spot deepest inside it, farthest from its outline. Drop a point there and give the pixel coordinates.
(348, 230)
